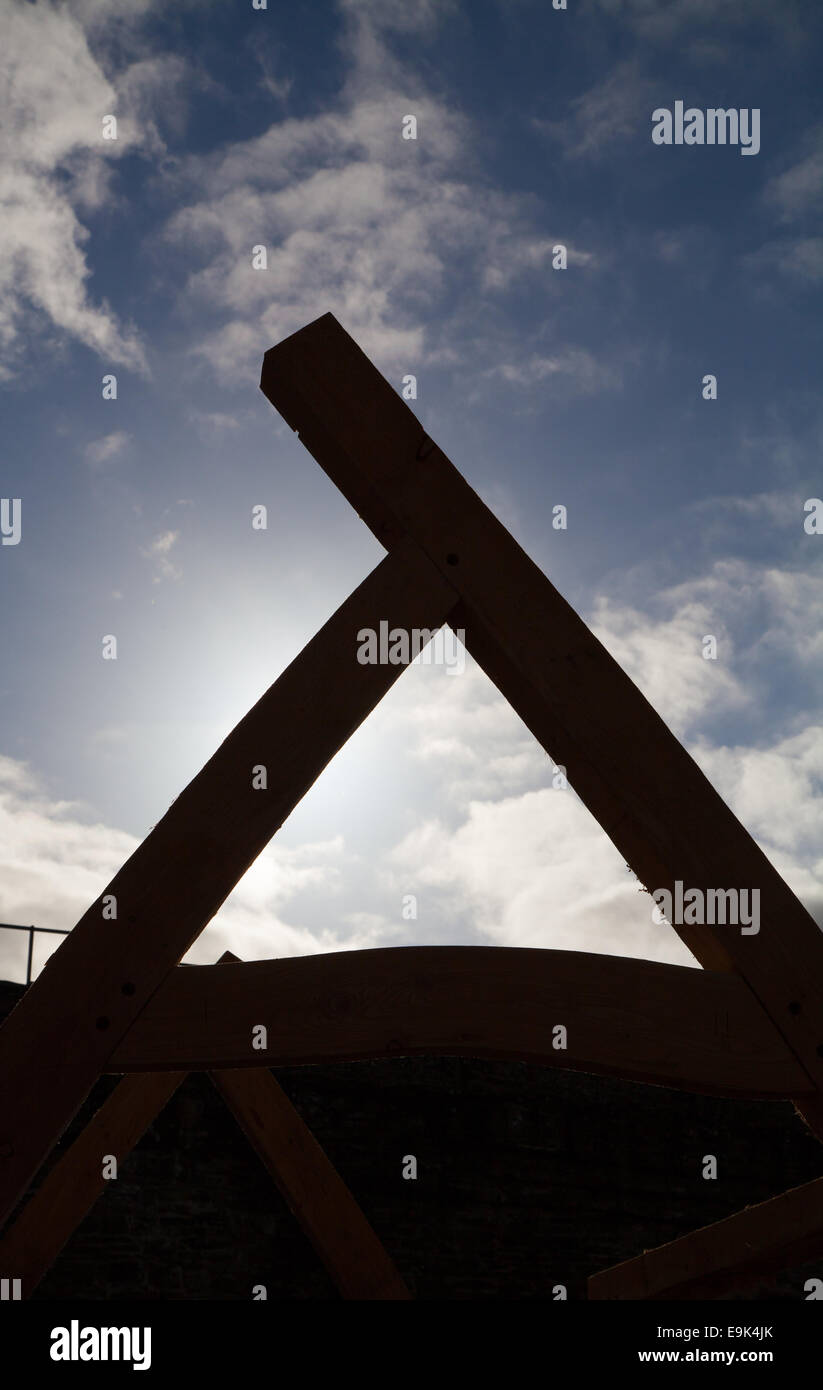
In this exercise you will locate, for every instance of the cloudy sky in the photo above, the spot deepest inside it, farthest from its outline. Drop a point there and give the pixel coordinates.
(580, 387)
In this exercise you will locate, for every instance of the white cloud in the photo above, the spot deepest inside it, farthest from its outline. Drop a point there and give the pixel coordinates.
(251, 922)
(163, 544)
(99, 451)
(766, 620)
(535, 870)
(158, 552)
(56, 167)
(664, 21)
(614, 109)
(796, 194)
(54, 863)
(778, 508)
(150, 86)
(778, 794)
(580, 372)
(664, 656)
(97, 14)
(800, 188)
(801, 258)
(208, 423)
(399, 15)
(354, 218)
(513, 256)
(465, 732)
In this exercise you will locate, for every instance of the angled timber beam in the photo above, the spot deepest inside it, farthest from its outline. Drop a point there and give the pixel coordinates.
(67, 1194)
(646, 791)
(754, 1243)
(311, 1186)
(308, 1182)
(665, 1024)
(62, 1033)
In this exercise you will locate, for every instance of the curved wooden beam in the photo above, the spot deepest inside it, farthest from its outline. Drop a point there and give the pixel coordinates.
(668, 1025)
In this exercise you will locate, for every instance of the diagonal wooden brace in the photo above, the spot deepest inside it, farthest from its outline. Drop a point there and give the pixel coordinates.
(30, 1245)
(308, 1182)
(759, 1241)
(311, 1186)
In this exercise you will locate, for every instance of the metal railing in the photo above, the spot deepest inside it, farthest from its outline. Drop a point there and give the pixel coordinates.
(51, 931)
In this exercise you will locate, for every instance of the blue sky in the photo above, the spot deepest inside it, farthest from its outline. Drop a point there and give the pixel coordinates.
(580, 387)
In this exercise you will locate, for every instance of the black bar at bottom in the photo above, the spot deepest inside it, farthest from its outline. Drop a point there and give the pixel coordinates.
(218, 1339)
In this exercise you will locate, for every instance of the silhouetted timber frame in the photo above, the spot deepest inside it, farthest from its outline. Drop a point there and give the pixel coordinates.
(110, 999)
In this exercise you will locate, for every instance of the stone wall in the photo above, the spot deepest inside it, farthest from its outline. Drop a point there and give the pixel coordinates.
(528, 1177)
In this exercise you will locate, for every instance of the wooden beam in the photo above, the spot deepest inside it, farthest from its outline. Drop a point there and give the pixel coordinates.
(640, 783)
(62, 1033)
(68, 1192)
(762, 1240)
(311, 1186)
(665, 1024)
